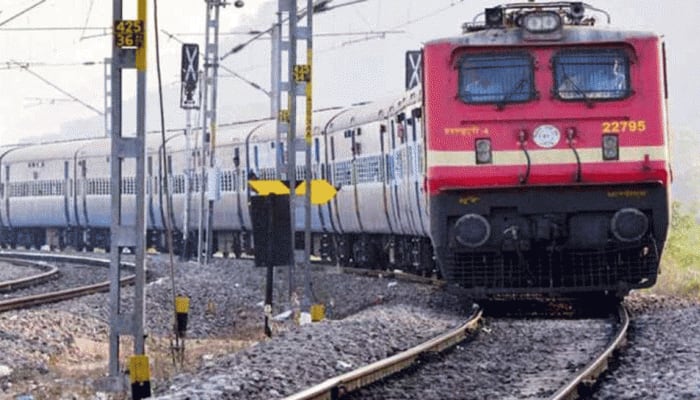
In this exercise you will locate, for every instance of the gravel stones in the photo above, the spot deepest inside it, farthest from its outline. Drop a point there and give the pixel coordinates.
(662, 356)
(226, 304)
(371, 318)
(10, 271)
(509, 358)
(302, 357)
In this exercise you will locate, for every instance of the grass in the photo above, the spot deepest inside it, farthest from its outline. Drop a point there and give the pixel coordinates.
(680, 264)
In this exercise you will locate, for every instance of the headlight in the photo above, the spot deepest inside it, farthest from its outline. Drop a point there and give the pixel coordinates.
(542, 22)
(611, 148)
(629, 225)
(483, 151)
(472, 230)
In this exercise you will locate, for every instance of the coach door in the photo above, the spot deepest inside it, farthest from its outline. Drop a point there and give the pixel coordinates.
(384, 165)
(4, 193)
(395, 164)
(417, 200)
(66, 192)
(406, 160)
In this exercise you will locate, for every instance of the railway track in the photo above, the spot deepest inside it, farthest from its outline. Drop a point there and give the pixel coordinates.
(40, 260)
(346, 383)
(487, 367)
(590, 373)
(46, 273)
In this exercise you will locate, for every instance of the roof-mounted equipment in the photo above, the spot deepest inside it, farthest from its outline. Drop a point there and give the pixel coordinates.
(541, 21)
(494, 17)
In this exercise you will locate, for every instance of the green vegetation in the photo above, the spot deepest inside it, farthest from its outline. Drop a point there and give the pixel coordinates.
(680, 265)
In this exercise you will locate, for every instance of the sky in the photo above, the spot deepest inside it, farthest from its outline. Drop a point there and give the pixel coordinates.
(350, 64)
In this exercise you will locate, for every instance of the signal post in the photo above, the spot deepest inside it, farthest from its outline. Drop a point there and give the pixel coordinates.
(298, 84)
(128, 53)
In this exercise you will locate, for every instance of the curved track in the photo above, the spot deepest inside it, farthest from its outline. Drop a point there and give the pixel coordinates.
(364, 376)
(47, 272)
(590, 373)
(40, 260)
(529, 348)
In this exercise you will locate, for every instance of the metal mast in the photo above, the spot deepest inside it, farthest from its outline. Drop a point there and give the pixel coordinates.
(303, 73)
(128, 52)
(298, 84)
(108, 97)
(286, 118)
(211, 67)
(189, 100)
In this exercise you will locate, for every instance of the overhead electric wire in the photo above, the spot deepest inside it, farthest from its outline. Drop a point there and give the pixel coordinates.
(229, 70)
(319, 6)
(430, 14)
(8, 65)
(316, 35)
(56, 28)
(53, 85)
(22, 12)
(37, 101)
(87, 19)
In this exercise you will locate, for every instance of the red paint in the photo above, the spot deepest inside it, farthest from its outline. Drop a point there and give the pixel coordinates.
(475, 177)
(444, 110)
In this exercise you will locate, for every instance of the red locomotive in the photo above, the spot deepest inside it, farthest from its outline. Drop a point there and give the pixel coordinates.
(547, 156)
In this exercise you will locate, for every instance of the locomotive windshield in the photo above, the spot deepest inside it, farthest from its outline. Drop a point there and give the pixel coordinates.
(586, 75)
(496, 78)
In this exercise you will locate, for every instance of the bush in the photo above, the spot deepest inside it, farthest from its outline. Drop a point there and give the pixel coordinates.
(680, 264)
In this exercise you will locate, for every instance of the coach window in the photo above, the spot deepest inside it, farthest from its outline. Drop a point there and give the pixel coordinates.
(585, 75)
(496, 78)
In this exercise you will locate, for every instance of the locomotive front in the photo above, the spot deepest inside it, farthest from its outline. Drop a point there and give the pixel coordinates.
(547, 164)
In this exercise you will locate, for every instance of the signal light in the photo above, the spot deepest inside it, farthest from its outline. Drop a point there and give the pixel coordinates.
(483, 151)
(611, 147)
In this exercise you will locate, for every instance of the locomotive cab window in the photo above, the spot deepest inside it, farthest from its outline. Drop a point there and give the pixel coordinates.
(591, 75)
(496, 78)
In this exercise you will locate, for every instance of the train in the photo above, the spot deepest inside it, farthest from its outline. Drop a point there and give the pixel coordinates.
(532, 157)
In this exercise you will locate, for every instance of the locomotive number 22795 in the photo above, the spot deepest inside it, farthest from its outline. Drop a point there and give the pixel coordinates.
(624, 126)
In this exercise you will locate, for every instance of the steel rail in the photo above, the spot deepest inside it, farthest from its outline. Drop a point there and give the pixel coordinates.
(50, 257)
(395, 274)
(45, 298)
(338, 386)
(590, 372)
(48, 272)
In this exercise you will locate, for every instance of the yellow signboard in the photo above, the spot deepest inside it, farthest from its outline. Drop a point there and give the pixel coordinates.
(321, 191)
(128, 33)
(266, 187)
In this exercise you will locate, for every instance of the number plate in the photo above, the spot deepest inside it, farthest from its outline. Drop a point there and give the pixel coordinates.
(128, 34)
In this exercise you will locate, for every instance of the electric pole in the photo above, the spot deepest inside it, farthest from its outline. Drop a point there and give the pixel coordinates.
(211, 66)
(128, 152)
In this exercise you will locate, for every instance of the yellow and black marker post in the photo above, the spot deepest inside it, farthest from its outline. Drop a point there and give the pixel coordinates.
(177, 346)
(140, 374)
(182, 308)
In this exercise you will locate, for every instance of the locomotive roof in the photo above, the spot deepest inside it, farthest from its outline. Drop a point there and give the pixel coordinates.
(571, 34)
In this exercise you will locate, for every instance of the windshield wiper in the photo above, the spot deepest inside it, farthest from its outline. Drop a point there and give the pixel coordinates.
(578, 90)
(516, 88)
